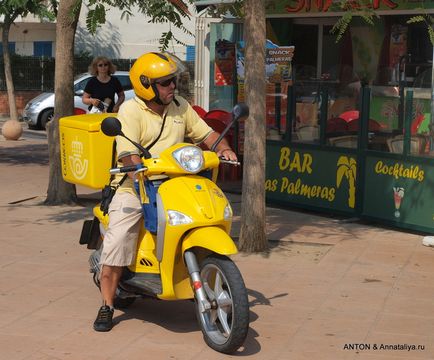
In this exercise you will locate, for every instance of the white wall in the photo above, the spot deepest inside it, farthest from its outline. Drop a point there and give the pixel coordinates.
(115, 39)
(25, 33)
(129, 39)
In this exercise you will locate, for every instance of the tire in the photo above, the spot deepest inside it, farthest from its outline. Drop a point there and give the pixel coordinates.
(46, 117)
(225, 325)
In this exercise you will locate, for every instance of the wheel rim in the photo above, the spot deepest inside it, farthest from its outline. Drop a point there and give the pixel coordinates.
(217, 322)
(46, 117)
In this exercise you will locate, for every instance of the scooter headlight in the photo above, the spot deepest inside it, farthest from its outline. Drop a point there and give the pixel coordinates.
(190, 158)
(178, 218)
(227, 213)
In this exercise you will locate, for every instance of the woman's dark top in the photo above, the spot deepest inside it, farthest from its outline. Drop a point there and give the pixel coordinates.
(101, 91)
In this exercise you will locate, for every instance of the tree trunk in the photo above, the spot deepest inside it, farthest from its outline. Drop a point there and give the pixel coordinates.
(252, 234)
(8, 70)
(60, 192)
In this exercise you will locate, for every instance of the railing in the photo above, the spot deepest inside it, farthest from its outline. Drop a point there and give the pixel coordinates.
(37, 73)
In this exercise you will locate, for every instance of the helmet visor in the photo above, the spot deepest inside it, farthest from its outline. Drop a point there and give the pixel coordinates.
(180, 68)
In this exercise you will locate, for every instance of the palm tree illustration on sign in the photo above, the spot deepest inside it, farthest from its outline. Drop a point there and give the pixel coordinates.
(347, 167)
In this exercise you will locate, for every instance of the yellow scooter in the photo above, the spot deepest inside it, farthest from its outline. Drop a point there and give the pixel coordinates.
(187, 256)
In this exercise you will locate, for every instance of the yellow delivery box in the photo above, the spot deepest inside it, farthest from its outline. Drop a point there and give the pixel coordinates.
(86, 153)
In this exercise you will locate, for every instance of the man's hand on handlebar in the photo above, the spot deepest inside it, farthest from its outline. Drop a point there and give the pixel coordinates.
(227, 154)
(223, 148)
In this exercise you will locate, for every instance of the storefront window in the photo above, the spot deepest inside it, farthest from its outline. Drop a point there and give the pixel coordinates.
(223, 84)
(397, 59)
(404, 66)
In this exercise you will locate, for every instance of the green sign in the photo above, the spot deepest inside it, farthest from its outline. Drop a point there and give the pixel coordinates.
(311, 177)
(330, 6)
(400, 192)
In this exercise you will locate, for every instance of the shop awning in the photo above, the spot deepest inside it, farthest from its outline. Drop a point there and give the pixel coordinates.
(202, 4)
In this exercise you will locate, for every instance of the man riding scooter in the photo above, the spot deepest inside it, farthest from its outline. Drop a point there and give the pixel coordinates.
(154, 118)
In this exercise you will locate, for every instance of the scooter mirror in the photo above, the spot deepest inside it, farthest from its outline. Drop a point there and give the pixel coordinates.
(111, 126)
(240, 110)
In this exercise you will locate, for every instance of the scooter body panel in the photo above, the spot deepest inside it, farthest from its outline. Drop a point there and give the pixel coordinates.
(204, 203)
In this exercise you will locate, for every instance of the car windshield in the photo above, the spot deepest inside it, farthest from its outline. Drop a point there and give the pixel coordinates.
(76, 77)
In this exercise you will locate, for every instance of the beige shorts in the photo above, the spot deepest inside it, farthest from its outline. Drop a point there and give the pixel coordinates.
(120, 240)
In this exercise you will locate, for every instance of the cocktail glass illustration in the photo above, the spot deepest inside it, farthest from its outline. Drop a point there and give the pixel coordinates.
(398, 194)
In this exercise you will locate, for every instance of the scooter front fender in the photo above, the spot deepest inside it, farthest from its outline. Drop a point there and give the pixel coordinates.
(211, 238)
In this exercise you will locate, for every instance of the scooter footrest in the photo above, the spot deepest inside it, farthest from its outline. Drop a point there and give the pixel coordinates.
(147, 283)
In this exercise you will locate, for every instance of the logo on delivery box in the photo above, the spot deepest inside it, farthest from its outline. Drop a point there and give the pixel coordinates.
(78, 165)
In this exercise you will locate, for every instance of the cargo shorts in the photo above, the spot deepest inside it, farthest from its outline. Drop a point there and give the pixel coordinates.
(120, 241)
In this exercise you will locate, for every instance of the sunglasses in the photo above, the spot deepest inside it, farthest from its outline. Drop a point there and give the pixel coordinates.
(167, 82)
(101, 65)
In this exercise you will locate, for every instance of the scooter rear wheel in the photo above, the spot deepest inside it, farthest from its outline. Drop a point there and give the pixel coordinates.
(225, 325)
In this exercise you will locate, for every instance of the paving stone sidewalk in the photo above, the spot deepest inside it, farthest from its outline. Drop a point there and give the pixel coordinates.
(328, 288)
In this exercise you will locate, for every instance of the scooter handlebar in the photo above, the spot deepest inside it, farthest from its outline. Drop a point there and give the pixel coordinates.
(230, 162)
(125, 169)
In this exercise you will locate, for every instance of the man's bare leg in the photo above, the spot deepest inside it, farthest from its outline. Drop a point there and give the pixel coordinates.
(110, 276)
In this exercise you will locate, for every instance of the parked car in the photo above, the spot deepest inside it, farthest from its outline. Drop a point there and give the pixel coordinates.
(39, 111)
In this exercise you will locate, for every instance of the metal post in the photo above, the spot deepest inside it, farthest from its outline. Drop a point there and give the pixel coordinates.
(324, 98)
(42, 73)
(407, 121)
(277, 104)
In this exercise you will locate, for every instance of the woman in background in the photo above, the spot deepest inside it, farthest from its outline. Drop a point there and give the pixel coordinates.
(102, 87)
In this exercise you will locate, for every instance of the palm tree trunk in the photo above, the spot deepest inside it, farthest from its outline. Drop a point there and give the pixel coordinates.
(59, 191)
(252, 234)
(8, 70)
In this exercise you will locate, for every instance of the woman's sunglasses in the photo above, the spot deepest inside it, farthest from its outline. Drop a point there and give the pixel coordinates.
(101, 65)
(167, 82)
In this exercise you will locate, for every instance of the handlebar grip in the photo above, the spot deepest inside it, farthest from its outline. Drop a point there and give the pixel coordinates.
(125, 169)
(224, 161)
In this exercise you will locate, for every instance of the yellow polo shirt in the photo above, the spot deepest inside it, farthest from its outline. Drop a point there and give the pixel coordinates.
(143, 125)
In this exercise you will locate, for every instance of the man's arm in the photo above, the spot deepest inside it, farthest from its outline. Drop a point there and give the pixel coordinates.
(223, 149)
(130, 160)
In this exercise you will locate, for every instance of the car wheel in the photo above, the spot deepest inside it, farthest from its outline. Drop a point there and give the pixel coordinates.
(46, 117)
(33, 127)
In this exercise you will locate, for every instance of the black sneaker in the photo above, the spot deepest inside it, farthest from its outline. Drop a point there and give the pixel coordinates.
(104, 320)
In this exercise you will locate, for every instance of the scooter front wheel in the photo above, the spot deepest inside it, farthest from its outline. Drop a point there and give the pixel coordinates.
(225, 325)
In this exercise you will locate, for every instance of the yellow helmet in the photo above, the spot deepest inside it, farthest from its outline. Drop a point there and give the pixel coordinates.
(149, 68)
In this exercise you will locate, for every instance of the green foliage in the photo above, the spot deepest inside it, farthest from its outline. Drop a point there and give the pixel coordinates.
(166, 38)
(341, 25)
(235, 9)
(95, 17)
(11, 9)
(172, 12)
(428, 20)
(344, 22)
(368, 15)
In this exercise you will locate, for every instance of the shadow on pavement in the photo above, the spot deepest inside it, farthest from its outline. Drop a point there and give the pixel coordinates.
(25, 154)
(180, 317)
